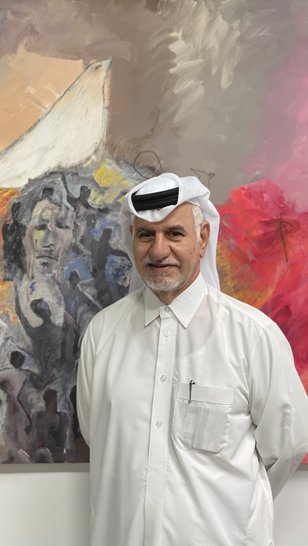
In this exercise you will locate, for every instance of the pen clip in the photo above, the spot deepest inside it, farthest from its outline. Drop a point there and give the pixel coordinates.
(191, 383)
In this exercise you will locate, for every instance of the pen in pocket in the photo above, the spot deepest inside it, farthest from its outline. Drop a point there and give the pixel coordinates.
(191, 383)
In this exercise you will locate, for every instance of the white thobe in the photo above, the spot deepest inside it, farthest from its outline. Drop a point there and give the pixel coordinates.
(195, 416)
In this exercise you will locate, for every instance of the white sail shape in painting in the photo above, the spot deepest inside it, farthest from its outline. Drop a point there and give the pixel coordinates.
(67, 135)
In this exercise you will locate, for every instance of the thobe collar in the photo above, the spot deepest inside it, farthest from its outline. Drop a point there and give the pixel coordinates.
(183, 306)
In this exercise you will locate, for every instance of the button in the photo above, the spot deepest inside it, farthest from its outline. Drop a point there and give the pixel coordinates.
(165, 313)
(166, 333)
(159, 423)
(163, 378)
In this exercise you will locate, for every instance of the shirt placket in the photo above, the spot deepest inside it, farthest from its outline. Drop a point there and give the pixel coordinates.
(159, 429)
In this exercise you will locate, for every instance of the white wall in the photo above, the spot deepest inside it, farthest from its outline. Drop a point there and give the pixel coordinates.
(291, 511)
(50, 508)
(40, 508)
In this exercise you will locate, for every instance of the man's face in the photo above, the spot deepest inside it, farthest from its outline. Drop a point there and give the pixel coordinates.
(167, 253)
(48, 237)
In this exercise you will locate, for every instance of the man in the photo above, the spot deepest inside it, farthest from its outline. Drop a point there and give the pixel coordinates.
(188, 399)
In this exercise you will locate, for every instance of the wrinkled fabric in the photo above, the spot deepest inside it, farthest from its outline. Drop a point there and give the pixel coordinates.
(184, 408)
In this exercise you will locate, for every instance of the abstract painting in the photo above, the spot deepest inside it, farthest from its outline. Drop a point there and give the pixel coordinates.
(95, 96)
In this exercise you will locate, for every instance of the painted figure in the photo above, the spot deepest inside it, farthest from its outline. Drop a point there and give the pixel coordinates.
(50, 253)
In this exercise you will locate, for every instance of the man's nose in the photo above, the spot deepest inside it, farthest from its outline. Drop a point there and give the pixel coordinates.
(160, 247)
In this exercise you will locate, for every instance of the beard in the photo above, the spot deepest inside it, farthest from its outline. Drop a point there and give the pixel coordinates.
(163, 285)
(162, 282)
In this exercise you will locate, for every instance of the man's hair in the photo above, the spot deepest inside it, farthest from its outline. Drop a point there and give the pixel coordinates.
(198, 218)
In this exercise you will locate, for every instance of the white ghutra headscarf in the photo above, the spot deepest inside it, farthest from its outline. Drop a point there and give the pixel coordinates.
(157, 197)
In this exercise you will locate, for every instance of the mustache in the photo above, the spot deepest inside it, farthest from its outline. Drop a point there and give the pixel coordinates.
(163, 261)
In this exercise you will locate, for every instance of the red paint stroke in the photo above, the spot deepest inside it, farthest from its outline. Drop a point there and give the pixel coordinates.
(263, 249)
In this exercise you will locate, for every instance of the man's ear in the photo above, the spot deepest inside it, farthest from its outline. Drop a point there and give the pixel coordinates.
(204, 237)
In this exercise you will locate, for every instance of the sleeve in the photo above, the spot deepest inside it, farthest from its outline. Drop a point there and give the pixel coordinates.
(84, 382)
(278, 407)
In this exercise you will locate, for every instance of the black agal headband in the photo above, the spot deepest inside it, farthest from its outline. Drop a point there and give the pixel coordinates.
(157, 200)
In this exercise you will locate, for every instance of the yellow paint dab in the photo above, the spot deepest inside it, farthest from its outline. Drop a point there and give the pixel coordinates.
(112, 181)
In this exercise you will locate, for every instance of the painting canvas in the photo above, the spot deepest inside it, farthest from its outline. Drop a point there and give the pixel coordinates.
(96, 96)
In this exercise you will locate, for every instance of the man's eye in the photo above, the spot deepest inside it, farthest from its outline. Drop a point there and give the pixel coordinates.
(175, 234)
(145, 236)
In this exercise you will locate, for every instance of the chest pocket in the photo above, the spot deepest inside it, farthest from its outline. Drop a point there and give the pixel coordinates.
(201, 417)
